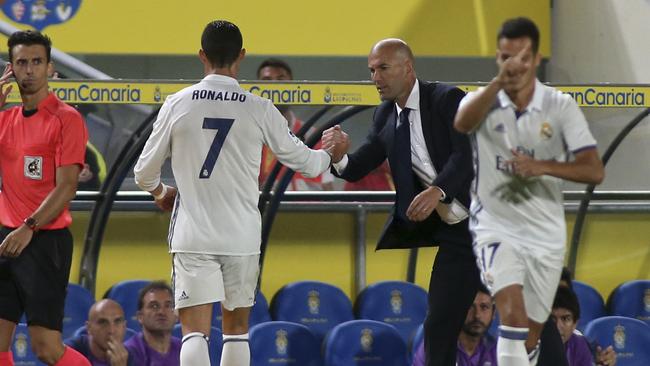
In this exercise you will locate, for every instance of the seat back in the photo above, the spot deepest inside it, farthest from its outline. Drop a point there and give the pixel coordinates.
(259, 312)
(317, 305)
(591, 303)
(632, 299)
(401, 304)
(126, 294)
(629, 337)
(22, 348)
(415, 343)
(283, 343)
(365, 342)
(214, 346)
(78, 301)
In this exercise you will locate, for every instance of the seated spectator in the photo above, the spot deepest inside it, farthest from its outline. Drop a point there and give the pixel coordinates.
(102, 345)
(154, 345)
(564, 299)
(475, 346)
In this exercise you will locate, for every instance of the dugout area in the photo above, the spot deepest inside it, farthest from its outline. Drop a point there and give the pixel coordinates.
(323, 244)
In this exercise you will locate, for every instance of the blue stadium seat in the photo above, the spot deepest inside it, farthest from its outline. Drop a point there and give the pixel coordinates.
(632, 299)
(214, 347)
(83, 331)
(365, 342)
(401, 304)
(630, 338)
(283, 343)
(591, 303)
(317, 305)
(78, 301)
(22, 347)
(126, 294)
(259, 312)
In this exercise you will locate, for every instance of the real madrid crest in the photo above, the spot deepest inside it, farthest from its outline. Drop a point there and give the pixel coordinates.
(20, 345)
(619, 336)
(313, 302)
(546, 132)
(366, 340)
(396, 301)
(281, 341)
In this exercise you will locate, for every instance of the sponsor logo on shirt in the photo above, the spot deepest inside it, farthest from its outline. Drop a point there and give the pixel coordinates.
(33, 167)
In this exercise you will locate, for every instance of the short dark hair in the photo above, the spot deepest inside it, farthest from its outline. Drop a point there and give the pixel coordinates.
(274, 62)
(221, 42)
(520, 27)
(153, 286)
(483, 289)
(567, 299)
(29, 38)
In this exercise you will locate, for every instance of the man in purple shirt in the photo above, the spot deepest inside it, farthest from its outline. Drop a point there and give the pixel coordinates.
(565, 313)
(155, 346)
(475, 346)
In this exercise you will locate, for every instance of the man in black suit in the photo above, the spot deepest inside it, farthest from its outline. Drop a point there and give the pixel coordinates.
(431, 165)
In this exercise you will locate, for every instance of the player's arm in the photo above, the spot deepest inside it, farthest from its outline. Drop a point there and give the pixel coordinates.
(289, 149)
(475, 107)
(585, 168)
(472, 111)
(155, 152)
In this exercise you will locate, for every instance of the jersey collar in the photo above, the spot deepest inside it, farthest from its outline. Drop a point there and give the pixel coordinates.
(221, 79)
(535, 103)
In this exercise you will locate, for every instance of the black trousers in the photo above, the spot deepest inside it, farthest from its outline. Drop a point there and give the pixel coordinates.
(452, 289)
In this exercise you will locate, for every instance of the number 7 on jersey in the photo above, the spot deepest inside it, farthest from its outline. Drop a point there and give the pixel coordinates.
(222, 125)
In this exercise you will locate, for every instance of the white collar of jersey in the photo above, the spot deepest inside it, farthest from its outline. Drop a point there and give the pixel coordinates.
(413, 101)
(221, 78)
(535, 103)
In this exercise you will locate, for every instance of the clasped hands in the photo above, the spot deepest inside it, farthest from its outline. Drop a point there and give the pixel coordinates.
(336, 142)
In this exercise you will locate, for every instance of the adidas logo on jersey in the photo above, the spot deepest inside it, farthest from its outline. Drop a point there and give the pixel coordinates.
(183, 296)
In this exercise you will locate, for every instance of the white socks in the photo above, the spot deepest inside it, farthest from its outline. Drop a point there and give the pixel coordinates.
(235, 350)
(511, 346)
(194, 350)
(534, 355)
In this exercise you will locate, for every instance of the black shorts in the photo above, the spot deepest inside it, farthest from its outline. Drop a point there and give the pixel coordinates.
(35, 282)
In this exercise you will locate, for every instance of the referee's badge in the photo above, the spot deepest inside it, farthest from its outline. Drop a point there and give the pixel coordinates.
(546, 131)
(33, 167)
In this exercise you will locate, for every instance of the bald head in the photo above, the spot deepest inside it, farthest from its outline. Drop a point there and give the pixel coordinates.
(104, 306)
(391, 69)
(395, 47)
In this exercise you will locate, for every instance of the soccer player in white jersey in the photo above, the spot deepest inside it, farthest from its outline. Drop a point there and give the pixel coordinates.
(214, 132)
(526, 138)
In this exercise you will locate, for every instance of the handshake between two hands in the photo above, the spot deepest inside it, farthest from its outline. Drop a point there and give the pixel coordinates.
(336, 142)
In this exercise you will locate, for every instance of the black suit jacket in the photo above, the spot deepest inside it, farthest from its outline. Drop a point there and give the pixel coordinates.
(449, 151)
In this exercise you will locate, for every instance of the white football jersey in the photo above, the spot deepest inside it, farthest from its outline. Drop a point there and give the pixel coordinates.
(214, 132)
(530, 211)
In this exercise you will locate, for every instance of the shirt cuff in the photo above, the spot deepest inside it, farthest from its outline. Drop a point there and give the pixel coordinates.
(341, 165)
(444, 195)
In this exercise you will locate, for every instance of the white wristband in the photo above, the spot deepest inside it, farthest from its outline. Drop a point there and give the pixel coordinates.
(162, 193)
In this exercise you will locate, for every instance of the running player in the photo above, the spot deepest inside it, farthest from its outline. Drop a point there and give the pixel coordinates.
(214, 132)
(527, 138)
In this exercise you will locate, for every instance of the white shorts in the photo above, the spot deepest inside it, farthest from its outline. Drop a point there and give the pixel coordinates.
(204, 278)
(504, 262)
